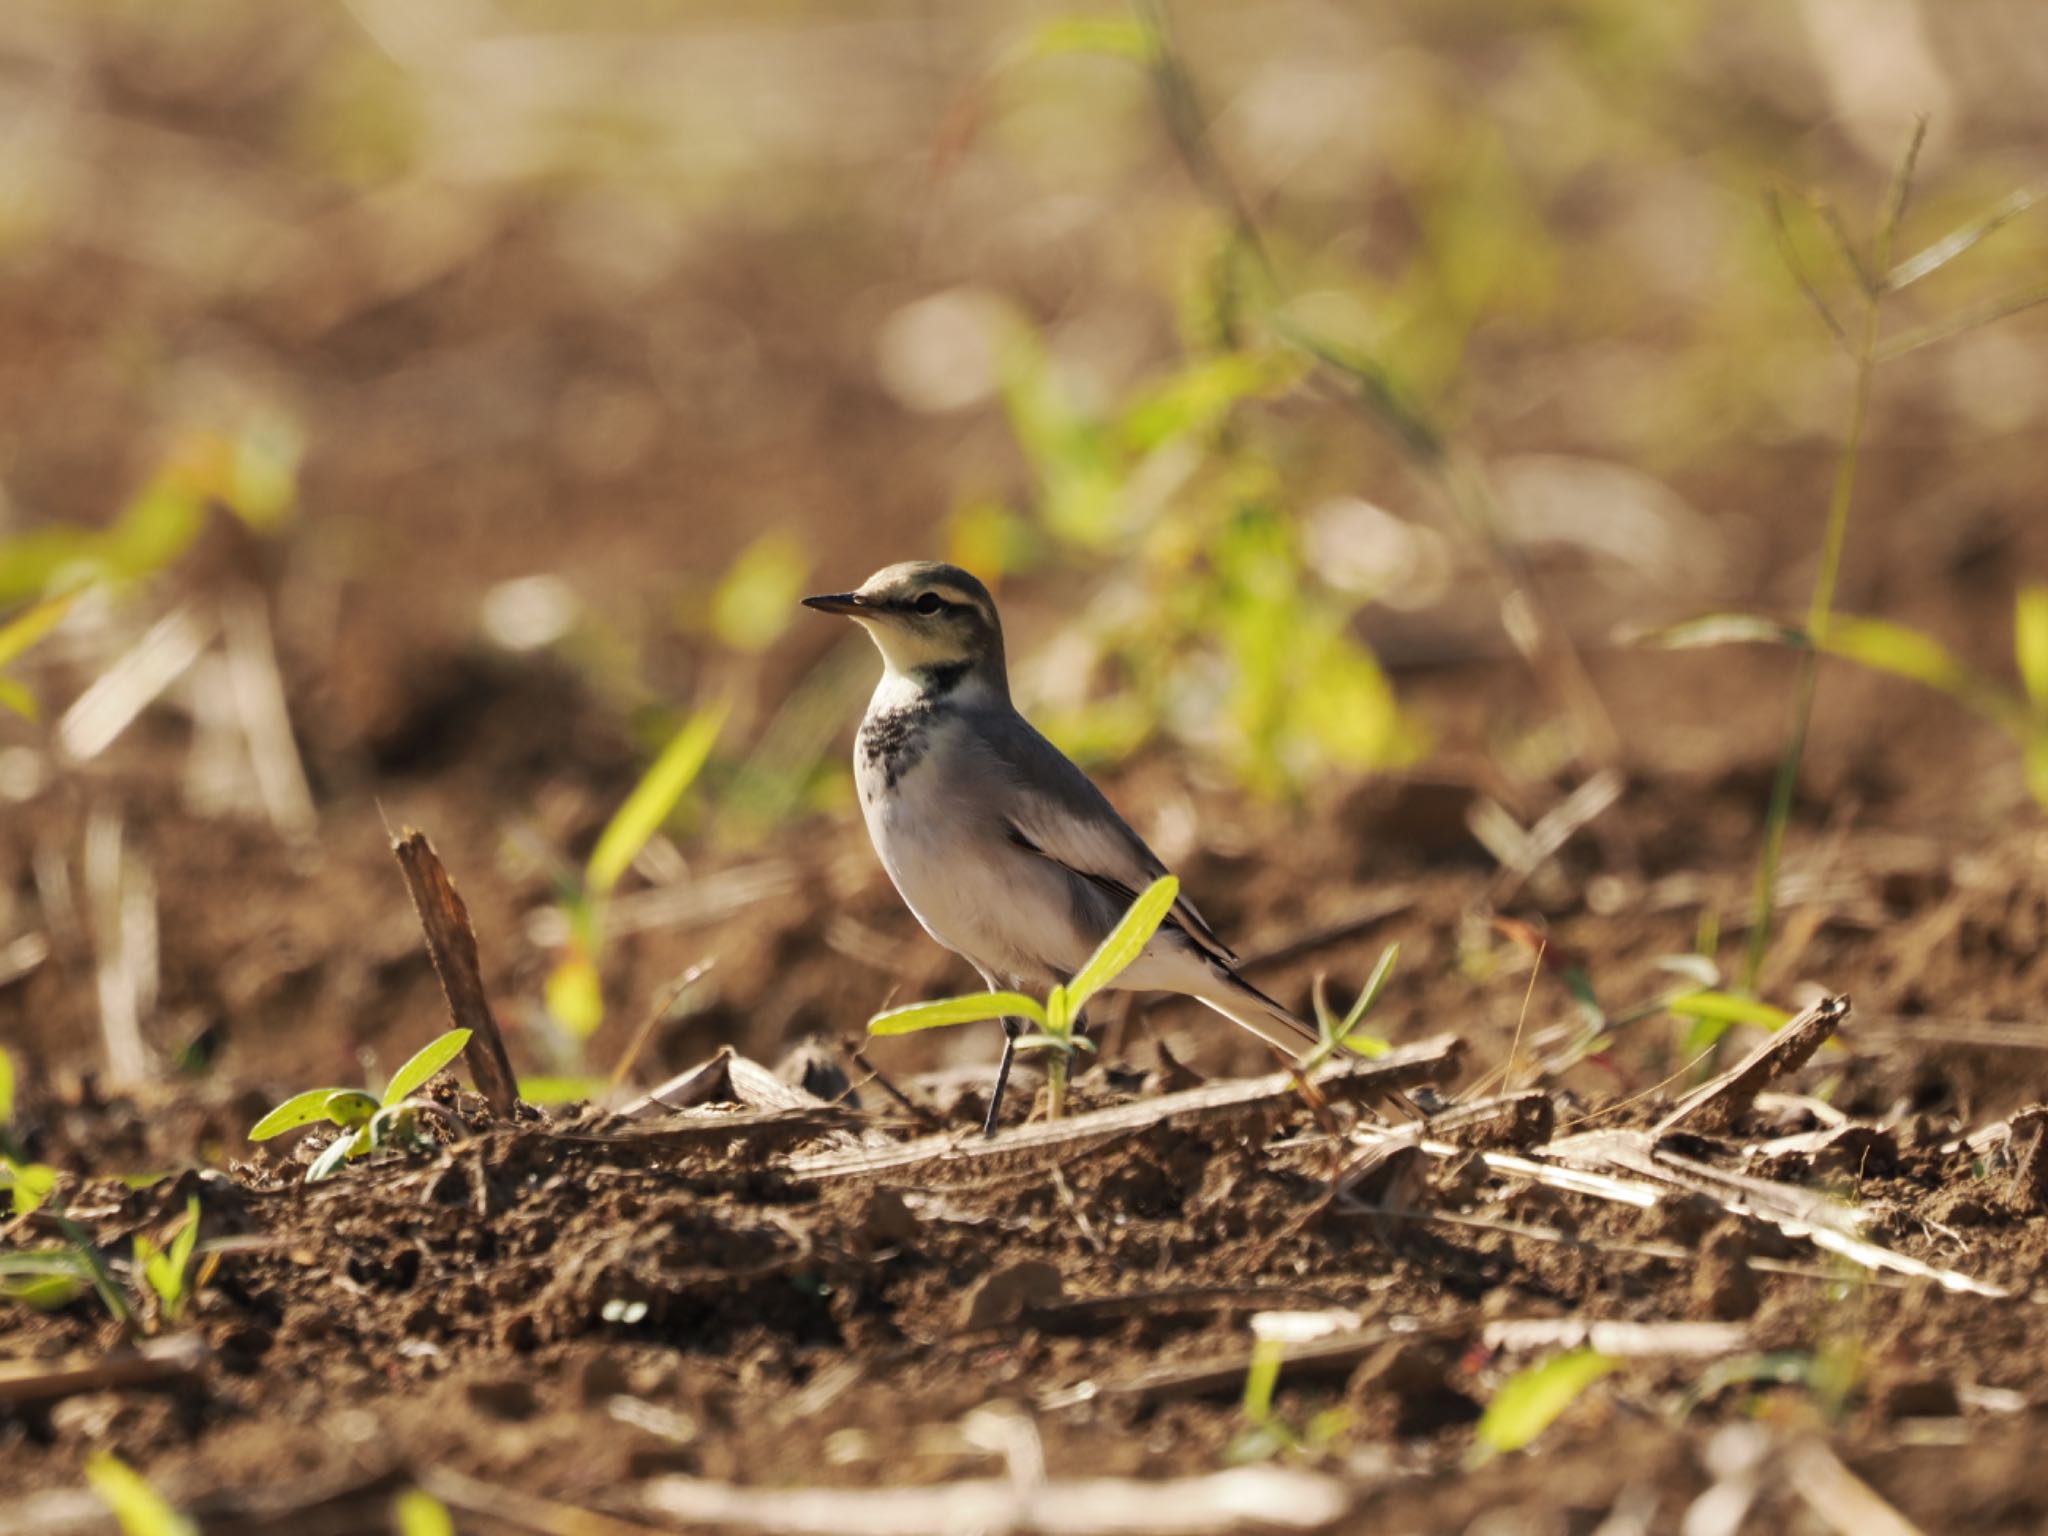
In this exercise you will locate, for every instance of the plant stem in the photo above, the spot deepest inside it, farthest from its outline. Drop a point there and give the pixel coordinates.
(1819, 611)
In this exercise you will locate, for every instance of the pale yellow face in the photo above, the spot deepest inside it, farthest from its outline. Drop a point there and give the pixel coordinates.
(923, 615)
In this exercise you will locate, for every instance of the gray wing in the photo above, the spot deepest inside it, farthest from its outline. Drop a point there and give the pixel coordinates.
(1054, 810)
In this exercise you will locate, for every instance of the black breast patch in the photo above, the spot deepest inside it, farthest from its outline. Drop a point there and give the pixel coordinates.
(896, 742)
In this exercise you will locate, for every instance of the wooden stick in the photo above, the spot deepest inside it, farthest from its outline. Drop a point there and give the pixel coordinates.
(451, 943)
(161, 1363)
(1718, 1104)
(1430, 1061)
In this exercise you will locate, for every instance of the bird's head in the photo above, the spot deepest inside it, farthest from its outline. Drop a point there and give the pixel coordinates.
(930, 621)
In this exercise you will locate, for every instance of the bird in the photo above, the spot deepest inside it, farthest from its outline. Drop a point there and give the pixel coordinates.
(1006, 852)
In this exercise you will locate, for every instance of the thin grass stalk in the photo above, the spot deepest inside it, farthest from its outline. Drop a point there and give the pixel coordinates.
(1833, 543)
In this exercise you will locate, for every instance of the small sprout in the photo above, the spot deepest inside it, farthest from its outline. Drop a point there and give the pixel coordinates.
(1530, 1401)
(1058, 1014)
(373, 1123)
(1335, 1035)
(168, 1271)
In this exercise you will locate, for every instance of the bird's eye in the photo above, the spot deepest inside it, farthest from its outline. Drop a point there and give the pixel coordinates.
(929, 603)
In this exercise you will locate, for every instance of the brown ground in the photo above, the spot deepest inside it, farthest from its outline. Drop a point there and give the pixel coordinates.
(447, 1312)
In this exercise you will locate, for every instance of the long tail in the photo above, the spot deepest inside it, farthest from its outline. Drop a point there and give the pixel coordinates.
(1249, 1008)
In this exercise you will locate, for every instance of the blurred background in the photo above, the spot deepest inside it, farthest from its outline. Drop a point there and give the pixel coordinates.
(431, 413)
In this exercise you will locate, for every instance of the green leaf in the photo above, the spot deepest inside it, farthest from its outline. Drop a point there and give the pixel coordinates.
(1903, 652)
(1125, 943)
(418, 1513)
(29, 1184)
(562, 1090)
(138, 1508)
(1529, 1401)
(1120, 37)
(654, 797)
(1375, 984)
(45, 1293)
(2030, 643)
(973, 1009)
(300, 1109)
(350, 1107)
(426, 1061)
(45, 1261)
(1715, 1013)
(32, 623)
(756, 599)
(574, 995)
(1728, 1008)
(1198, 397)
(340, 1151)
(187, 1239)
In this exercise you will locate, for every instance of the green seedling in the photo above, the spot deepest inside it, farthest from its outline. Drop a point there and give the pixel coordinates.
(1530, 1401)
(1334, 1035)
(137, 1507)
(574, 991)
(168, 1271)
(1266, 1433)
(1053, 1020)
(371, 1123)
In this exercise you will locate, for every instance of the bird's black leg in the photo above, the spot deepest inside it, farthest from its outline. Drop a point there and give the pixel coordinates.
(1012, 1028)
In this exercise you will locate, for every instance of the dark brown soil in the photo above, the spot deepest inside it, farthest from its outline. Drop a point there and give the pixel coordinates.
(568, 1316)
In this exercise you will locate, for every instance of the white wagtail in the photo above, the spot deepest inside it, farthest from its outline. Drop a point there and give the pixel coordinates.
(1002, 848)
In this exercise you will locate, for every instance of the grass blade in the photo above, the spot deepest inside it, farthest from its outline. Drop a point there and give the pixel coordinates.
(1963, 320)
(32, 623)
(137, 1508)
(1961, 239)
(1125, 943)
(1529, 1401)
(1375, 984)
(972, 1009)
(654, 797)
(2029, 645)
(96, 1270)
(1728, 1008)
(426, 1061)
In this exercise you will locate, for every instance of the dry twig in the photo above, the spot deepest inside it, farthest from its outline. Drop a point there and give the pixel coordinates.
(451, 943)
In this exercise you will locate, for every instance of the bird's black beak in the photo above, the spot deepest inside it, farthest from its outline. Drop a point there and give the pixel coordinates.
(837, 602)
